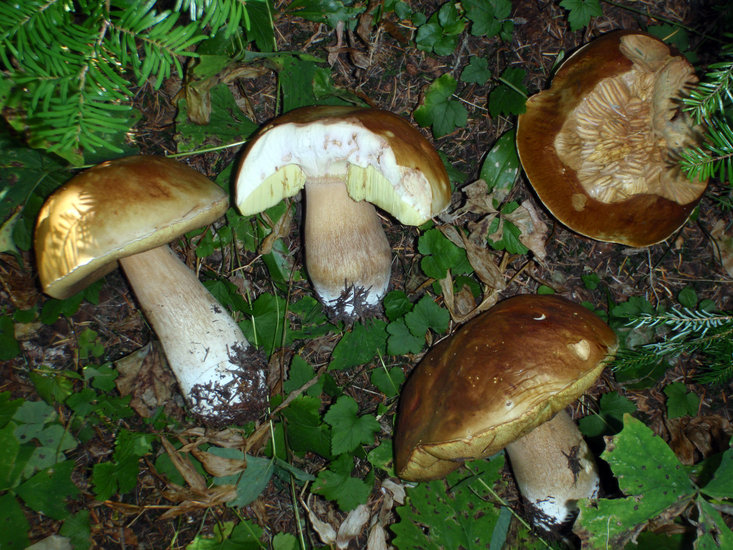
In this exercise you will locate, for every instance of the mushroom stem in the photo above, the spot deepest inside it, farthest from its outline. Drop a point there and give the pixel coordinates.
(554, 469)
(204, 346)
(348, 256)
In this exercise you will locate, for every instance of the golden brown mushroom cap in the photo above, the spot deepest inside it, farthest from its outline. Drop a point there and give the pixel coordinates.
(117, 209)
(501, 375)
(600, 147)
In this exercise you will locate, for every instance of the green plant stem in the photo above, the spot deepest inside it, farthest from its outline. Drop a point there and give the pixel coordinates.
(512, 86)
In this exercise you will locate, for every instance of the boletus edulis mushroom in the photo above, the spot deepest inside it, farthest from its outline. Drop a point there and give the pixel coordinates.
(126, 211)
(346, 158)
(601, 146)
(503, 381)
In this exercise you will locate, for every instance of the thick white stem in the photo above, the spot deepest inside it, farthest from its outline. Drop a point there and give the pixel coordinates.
(219, 377)
(554, 469)
(348, 256)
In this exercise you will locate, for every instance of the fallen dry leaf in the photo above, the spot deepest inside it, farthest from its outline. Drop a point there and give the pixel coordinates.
(184, 466)
(191, 500)
(144, 375)
(723, 245)
(219, 466)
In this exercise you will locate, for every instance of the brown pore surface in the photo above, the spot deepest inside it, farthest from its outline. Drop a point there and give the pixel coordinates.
(411, 149)
(639, 219)
(116, 209)
(498, 377)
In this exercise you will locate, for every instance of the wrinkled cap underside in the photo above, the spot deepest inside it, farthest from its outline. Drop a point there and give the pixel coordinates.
(498, 377)
(625, 136)
(117, 209)
(285, 155)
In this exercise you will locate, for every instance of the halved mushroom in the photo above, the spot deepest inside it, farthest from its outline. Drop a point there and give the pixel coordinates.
(601, 146)
(346, 158)
(126, 211)
(503, 381)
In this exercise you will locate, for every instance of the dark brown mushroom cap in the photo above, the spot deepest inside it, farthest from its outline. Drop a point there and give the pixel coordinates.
(502, 374)
(621, 90)
(117, 209)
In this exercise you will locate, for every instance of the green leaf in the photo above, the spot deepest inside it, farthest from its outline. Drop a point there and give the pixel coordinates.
(510, 96)
(680, 402)
(501, 165)
(34, 412)
(306, 432)
(8, 407)
(396, 304)
(46, 491)
(712, 531)
(688, 297)
(381, 456)
(268, 322)
(721, 486)
(590, 280)
(14, 526)
(440, 255)
(487, 16)
(251, 482)
(361, 345)
(581, 11)
(326, 11)
(609, 419)
(509, 239)
(10, 469)
(388, 381)
(651, 476)
(227, 123)
(337, 484)
(439, 109)
(401, 340)
(452, 513)
(9, 347)
(427, 315)
(477, 71)
(78, 531)
(349, 430)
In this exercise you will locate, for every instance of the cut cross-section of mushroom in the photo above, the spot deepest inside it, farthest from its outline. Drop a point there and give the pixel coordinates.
(346, 158)
(601, 146)
(127, 210)
(492, 384)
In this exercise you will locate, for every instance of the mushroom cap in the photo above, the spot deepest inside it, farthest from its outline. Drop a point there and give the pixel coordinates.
(386, 160)
(498, 377)
(117, 209)
(601, 145)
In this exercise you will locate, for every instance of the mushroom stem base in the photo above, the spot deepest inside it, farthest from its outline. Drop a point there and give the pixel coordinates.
(348, 256)
(554, 469)
(221, 379)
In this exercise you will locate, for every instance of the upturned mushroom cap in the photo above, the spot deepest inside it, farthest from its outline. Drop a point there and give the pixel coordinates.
(388, 162)
(117, 209)
(600, 147)
(501, 375)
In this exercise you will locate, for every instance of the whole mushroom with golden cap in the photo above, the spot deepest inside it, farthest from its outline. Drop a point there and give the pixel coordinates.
(126, 211)
(346, 158)
(503, 380)
(601, 146)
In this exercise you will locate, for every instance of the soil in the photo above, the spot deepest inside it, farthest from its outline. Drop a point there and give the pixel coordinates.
(385, 69)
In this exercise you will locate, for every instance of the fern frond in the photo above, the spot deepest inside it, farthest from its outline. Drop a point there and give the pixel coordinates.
(217, 14)
(709, 334)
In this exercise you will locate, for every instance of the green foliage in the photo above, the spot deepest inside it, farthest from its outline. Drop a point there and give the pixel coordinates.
(245, 535)
(656, 486)
(439, 110)
(501, 166)
(441, 32)
(580, 12)
(510, 96)
(709, 103)
(348, 429)
(456, 512)
(67, 64)
(440, 255)
(477, 71)
(490, 17)
(680, 402)
(336, 483)
(251, 482)
(609, 418)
